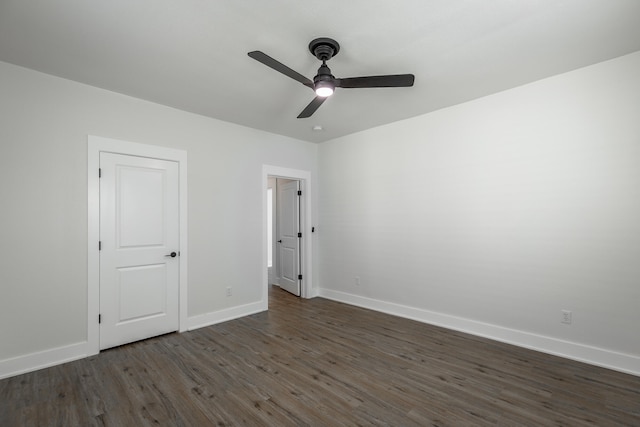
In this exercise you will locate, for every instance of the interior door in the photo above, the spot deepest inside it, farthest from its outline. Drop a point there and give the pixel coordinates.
(288, 241)
(139, 238)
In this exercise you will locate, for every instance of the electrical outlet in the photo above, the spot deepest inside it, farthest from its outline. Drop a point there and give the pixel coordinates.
(229, 291)
(566, 317)
(357, 280)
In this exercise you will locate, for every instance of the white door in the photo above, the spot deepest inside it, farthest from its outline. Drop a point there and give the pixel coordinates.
(288, 241)
(139, 238)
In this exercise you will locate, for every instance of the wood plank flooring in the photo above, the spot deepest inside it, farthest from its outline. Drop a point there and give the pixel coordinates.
(320, 363)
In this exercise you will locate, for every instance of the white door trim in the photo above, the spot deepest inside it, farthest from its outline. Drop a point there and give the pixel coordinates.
(95, 145)
(305, 218)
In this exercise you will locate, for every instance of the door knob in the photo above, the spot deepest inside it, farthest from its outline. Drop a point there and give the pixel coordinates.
(172, 255)
(279, 241)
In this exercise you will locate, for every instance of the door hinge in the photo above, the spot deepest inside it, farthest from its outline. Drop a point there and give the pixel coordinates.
(299, 234)
(99, 172)
(299, 192)
(99, 318)
(99, 245)
(299, 276)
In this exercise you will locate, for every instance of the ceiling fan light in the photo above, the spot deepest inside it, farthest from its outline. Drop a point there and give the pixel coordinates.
(324, 88)
(324, 91)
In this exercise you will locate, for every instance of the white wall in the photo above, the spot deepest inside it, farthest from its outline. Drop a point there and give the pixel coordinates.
(494, 215)
(489, 217)
(44, 123)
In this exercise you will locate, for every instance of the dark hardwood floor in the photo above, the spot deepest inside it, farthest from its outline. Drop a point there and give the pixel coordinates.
(317, 362)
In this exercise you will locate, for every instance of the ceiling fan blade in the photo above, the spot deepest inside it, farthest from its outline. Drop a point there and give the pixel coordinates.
(395, 80)
(280, 67)
(312, 107)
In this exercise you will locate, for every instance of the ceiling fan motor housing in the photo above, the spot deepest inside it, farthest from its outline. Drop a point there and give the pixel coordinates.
(324, 75)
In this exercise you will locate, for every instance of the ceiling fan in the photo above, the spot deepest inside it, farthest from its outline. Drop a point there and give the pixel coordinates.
(324, 83)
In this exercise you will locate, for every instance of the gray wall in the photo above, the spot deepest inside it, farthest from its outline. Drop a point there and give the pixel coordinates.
(494, 215)
(490, 216)
(44, 123)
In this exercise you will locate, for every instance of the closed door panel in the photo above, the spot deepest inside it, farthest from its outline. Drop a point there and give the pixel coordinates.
(139, 234)
(288, 264)
(141, 292)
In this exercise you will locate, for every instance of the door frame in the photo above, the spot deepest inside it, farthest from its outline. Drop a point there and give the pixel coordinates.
(96, 145)
(273, 274)
(305, 225)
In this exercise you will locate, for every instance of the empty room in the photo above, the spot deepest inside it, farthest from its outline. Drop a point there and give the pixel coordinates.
(320, 213)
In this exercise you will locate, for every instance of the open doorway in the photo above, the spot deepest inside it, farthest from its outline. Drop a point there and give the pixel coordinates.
(287, 230)
(284, 234)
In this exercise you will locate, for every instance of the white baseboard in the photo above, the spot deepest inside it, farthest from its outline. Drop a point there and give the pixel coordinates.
(42, 359)
(314, 292)
(626, 363)
(56, 356)
(208, 319)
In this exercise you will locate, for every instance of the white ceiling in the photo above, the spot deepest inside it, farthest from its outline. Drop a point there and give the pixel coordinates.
(192, 54)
